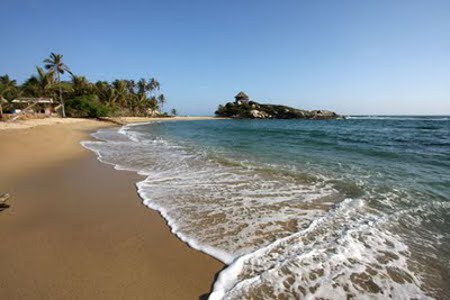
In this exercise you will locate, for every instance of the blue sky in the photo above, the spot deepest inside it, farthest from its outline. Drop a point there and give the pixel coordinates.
(353, 57)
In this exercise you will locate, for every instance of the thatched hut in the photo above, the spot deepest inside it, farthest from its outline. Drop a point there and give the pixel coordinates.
(241, 97)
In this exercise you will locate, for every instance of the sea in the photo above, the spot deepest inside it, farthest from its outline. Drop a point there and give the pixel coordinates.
(301, 209)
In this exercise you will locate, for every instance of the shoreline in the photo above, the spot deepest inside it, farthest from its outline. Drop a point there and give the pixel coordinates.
(215, 253)
(100, 243)
(32, 123)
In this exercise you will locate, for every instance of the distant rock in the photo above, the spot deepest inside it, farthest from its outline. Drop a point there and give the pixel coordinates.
(257, 114)
(242, 108)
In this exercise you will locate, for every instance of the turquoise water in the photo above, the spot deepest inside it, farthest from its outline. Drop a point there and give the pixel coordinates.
(402, 151)
(298, 209)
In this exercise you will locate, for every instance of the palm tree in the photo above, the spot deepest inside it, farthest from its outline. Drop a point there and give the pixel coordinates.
(153, 85)
(131, 85)
(141, 104)
(54, 63)
(162, 100)
(40, 85)
(142, 86)
(152, 105)
(2, 100)
(7, 85)
(8, 89)
(109, 96)
(173, 112)
(122, 91)
(81, 86)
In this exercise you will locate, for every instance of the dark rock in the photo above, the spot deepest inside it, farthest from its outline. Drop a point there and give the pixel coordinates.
(254, 110)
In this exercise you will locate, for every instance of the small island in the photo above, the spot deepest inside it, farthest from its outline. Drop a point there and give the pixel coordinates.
(244, 108)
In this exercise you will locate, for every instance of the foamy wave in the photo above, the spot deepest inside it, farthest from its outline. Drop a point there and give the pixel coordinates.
(334, 256)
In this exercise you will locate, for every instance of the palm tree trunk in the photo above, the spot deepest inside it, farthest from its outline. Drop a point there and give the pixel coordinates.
(1, 107)
(61, 98)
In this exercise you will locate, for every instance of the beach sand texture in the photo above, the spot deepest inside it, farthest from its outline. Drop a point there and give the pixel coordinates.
(76, 228)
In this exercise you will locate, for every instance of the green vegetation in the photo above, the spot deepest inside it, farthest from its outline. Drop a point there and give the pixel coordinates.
(78, 97)
(230, 110)
(87, 106)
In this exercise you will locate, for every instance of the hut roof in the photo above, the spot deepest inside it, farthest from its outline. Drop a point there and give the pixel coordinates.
(33, 100)
(242, 95)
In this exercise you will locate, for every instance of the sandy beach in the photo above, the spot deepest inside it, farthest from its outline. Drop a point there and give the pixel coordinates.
(76, 228)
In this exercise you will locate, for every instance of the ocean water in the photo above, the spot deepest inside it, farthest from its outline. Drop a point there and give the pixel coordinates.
(358, 208)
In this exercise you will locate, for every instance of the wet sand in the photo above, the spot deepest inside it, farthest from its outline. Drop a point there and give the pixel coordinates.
(76, 228)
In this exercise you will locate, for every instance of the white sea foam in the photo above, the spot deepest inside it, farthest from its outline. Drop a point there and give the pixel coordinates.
(334, 256)
(280, 236)
(400, 118)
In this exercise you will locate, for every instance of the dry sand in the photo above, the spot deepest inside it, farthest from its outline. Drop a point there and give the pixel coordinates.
(31, 123)
(77, 229)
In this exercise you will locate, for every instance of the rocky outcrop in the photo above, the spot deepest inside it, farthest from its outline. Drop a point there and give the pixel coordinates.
(256, 114)
(254, 110)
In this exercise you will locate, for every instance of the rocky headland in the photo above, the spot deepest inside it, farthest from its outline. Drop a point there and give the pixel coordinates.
(244, 108)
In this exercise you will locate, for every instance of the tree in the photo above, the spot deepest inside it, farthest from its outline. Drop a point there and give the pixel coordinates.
(81, 86)
(39, 85)
(8, 89)
(173, 112)
(153, 105)
(109, 96)
(79, 97)
(122, 92)
(54, 63)
(162, 100)
(2, 100)
(153, 85)
(142, 86)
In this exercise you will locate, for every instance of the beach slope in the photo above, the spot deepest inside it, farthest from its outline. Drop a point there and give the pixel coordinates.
(76, 228)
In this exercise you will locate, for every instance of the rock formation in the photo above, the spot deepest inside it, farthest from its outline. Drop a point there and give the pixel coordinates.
(243, 108)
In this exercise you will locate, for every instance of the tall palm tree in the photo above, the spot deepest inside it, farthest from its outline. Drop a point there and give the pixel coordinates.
(153, 85)
(142, 86)
(122, 91)
(153, 105)
(54, 63)
(131, 85)
(162, 100)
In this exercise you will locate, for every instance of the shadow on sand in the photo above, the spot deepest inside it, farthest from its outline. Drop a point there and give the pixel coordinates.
(3, 206)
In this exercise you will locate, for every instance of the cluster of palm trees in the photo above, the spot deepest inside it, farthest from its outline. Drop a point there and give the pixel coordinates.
(120, 97)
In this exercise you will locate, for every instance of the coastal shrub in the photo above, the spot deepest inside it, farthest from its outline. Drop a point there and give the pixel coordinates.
(87, 106)
(233, 110)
